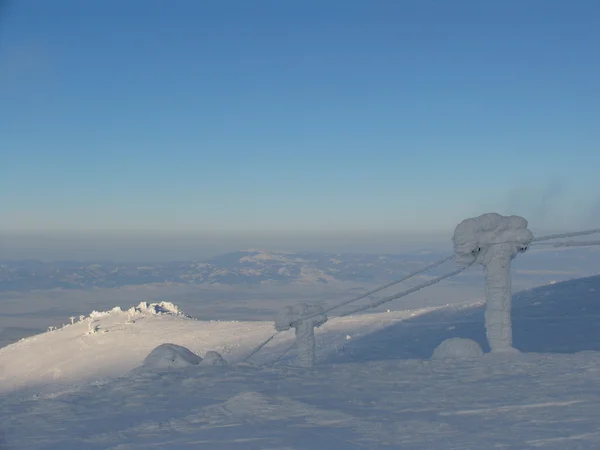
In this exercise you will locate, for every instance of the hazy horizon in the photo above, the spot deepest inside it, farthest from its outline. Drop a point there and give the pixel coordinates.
(157, 247)
(186, 246)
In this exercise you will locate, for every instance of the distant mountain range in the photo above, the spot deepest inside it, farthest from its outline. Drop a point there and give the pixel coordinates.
(256, 267)
(248, 267)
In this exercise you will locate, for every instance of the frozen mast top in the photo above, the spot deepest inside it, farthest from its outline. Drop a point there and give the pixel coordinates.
(474, 236)
(304, 318)
(293, 316)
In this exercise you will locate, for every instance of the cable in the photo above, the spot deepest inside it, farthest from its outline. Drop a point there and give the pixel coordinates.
(381, 288)
(424, 285)
(576, 244)
(407, 292)
(259, 348)
(283, 354)
(566, 235)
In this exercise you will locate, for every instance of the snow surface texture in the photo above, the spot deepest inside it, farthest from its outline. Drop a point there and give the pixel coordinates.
(383, 393)
(303, 318)
(493, 241)
(171, 356)
(458, 348)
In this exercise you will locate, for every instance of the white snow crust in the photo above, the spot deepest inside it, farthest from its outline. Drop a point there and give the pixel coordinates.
(457, 348)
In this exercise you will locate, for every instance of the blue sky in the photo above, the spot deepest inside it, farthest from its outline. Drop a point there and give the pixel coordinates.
(369, 116)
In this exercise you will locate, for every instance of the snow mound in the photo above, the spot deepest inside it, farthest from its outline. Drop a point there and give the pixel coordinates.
(171, 356)
(213, 359)
(457, 348)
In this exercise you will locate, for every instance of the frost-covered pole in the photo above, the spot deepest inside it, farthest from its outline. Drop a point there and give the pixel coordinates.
(303, 318)
(494, 241)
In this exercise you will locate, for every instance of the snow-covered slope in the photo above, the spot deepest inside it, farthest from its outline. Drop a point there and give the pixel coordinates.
(558, 318)
(374, 386)
(110, 344)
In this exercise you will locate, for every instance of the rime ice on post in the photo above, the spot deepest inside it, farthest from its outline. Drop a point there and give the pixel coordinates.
(494, 241)
(303, 318)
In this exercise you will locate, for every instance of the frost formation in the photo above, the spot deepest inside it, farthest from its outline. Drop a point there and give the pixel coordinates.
(493, 241)
(303, 318)
(157, 308)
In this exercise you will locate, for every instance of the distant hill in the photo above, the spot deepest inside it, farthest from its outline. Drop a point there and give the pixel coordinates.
(248, 267)
(256, 267)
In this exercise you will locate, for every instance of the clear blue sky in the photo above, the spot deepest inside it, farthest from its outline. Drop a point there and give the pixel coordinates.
(297, 115)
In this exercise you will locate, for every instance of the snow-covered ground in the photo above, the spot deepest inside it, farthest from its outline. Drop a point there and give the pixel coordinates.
(374, 385)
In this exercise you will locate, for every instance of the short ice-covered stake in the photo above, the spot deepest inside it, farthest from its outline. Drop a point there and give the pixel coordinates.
(303, 318)
(494, 241)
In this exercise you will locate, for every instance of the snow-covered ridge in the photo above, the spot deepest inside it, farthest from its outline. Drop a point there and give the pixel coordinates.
(111, 343)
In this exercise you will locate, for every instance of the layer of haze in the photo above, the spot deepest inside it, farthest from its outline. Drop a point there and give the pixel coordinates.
(360, 118)
(185, 246)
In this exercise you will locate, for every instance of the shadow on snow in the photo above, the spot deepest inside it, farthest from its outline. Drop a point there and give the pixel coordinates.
(559, 318)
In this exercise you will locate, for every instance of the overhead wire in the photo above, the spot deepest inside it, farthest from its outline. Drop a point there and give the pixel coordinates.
(566, 235)
(355, 299)
(407, 292)
(374, 304)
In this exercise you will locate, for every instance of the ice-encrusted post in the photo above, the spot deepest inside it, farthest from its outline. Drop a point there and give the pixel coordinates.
(303, 318)
(494, 241)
